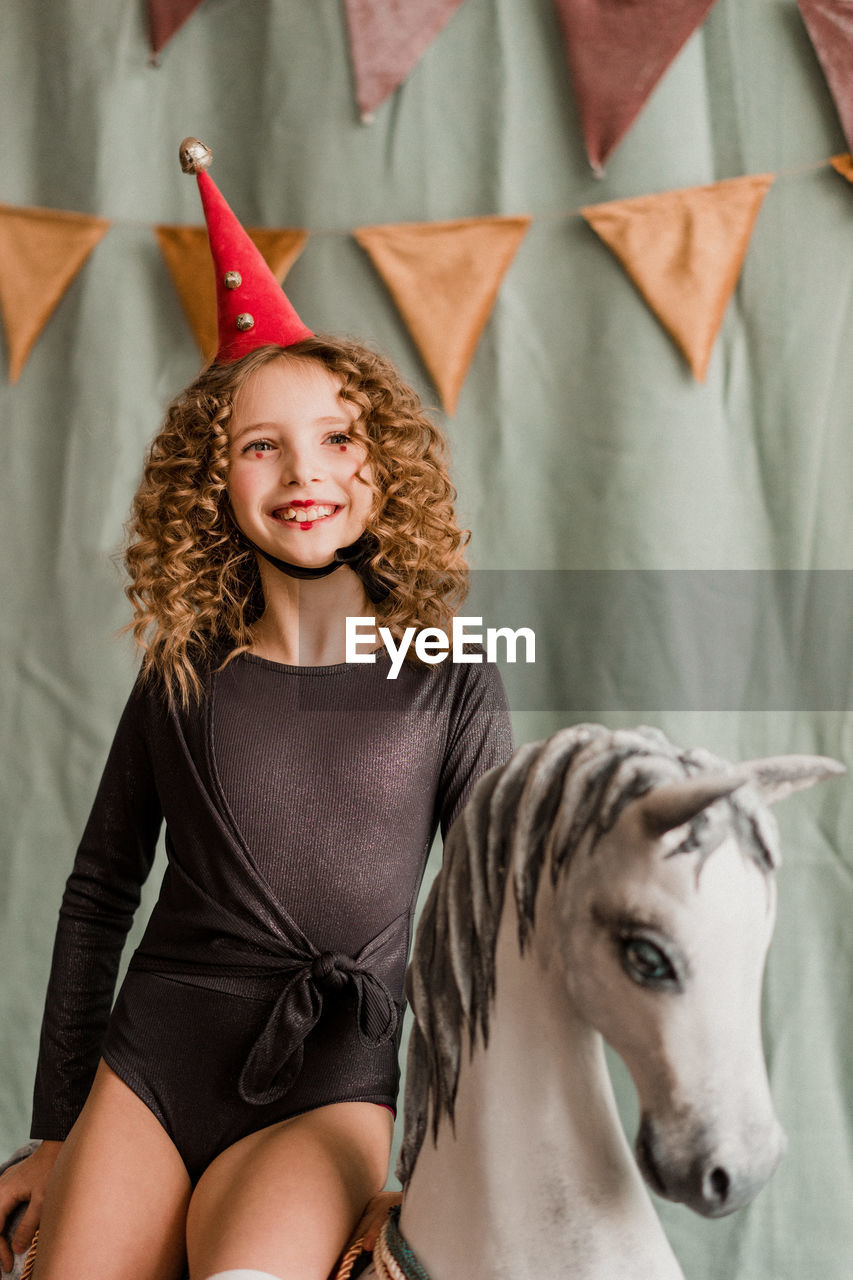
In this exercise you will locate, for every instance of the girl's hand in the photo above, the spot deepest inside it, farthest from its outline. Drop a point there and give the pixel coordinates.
(25, 1181)
(370, 1222)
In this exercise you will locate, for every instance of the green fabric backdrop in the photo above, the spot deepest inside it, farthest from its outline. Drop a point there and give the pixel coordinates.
(580, 442)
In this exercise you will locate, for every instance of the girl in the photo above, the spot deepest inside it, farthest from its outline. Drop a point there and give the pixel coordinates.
(236, 1105)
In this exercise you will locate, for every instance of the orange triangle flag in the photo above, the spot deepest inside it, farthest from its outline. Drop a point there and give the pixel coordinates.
(684, 251)
(186, 251)
(843, 164)
(444, 278)
(41, 251)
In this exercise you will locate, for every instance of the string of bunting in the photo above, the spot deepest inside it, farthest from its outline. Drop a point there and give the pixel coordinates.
(682, 249)
(616, 53)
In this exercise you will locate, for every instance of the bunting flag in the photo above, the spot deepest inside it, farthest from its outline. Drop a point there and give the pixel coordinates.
(41, 251)
(617, 54)
(164, 19)
(187, 255)
(843, 164)
(387, 39)
(830, 27)
(684, 251)
(444, 278)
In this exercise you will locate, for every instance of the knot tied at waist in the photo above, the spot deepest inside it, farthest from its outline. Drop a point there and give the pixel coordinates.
(275, 1059)
(331, 969)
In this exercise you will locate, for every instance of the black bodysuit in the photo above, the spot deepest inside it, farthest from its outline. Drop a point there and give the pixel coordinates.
(300, 804)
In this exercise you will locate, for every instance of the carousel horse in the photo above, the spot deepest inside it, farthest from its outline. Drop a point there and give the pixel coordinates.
(602, 886)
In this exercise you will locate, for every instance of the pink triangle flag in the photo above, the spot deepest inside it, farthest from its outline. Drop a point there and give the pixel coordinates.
(387, 39)
(830, 27)
(164, 19)
(617, 54)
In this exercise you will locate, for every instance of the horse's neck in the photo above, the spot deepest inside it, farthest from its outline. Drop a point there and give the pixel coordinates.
(536, 1177)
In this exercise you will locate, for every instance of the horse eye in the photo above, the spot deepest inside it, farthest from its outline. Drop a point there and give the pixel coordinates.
(645, 962)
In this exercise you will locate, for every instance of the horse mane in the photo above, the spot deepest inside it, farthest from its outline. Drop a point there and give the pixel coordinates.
(532, 812)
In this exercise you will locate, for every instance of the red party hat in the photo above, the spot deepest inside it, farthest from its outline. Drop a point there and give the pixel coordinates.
(252, 308)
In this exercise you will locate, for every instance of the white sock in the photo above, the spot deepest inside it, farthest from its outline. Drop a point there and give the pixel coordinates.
(243, 1273)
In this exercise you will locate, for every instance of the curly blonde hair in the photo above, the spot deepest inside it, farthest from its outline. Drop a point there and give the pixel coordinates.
(194, 580)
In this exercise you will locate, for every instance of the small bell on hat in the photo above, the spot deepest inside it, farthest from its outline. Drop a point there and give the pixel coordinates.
(252, 308)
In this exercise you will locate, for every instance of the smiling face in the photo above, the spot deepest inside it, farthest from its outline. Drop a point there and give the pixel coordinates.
(299, 484)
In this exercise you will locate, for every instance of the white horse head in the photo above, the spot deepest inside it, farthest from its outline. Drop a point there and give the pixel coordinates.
(643, 885)
(665, 927)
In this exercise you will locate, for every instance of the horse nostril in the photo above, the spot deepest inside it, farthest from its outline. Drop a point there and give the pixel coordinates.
(719, 1181)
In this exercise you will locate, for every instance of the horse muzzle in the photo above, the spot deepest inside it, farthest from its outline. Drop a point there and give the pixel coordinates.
(708, 1178)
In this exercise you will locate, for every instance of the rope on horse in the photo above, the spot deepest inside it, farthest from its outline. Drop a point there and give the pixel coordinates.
(348, 1261)
(383, 1261)
(31, 1259)
(392, 1256)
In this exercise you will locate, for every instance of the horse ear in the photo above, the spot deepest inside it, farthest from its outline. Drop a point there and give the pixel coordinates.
(673, 803)
(778, 776)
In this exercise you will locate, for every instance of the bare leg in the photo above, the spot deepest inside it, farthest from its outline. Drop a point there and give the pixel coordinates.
(285, 1200)
(117, 1197)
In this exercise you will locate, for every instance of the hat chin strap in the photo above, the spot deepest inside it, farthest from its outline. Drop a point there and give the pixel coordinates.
(298, 570)
(355, 555)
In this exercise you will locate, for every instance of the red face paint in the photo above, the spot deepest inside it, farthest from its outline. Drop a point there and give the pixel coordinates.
(259, 455)
(305, 525)
(342, 448)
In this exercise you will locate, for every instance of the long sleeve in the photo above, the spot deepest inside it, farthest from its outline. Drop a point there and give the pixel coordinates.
(479, 737)
(101, 895)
